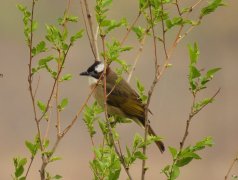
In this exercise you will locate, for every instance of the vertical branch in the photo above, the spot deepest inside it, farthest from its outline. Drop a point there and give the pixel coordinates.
(58, 124)
(93, 37)
(30, 74)
(87, 31)
(150, 91)
(106, 112)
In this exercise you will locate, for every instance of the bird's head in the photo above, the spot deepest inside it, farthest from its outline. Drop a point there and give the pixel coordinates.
(95, 70)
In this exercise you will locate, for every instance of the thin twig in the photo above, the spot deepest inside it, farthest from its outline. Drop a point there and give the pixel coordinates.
(231, 166)
(138, 55)
(55, 82)
(191, 115)
(163, 29)
(90, 24)
(130, 28)
(150, 93)
(29, 167)
(30, 80)
(37, 86)
(178, 8)
(87, 31)
(106, 113)
(58, 124)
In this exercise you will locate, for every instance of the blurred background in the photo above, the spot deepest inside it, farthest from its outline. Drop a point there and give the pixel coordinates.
(217, 37)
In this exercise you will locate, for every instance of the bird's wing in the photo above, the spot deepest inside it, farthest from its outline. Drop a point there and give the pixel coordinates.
(123, 96)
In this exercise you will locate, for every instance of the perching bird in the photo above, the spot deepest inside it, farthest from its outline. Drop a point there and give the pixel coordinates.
(122, 100)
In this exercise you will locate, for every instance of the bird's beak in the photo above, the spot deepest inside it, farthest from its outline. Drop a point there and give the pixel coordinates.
(84, 73)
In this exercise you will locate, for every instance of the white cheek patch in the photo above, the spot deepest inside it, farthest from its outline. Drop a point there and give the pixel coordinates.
(99, 68)
(92, 81)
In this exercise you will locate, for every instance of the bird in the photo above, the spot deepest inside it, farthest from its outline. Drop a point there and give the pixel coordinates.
(122, 99)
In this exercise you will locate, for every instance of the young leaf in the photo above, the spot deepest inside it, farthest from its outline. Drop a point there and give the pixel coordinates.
(77, 36)
(194, 53)
(66, 77)
(41, 106)
(175, 172)
(45, 60)
(173, 152)
(40, 47)
(211, 7)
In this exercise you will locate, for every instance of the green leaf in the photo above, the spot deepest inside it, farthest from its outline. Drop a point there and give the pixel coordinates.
(211, 72)
(63, 104)
(72, 18)
(140, 155)
(19, 171)
(140, 32)
(41, 106)
(194, 72)
(213, 5)
(45, 60)
(22, 162)
(40, 47)
(201, 104)
(184, 161)
(66, 77)
(175, 172)
(77, 36)
(46, 143)
(55, 158)
(141, 91)
(31, 147)
(57, 177)
(173, 152)
(194, 53)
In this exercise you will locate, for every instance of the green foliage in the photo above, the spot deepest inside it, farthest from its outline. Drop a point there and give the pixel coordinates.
(106, 164)
(66, 77)
(105, 24)
(63, 104)
(139, 31)
(113, 53)
(184, 157)
(198, 81)
(19, 164)
(28, 25)
(49, 177)
(141, 91)
(41, 106)
(40, 47)
(213, 5)
(90, 115)
(34, 146)
(136, 150)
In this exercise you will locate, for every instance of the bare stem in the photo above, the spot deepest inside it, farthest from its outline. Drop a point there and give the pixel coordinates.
(231, 166)
(138, 55)
(86, 27)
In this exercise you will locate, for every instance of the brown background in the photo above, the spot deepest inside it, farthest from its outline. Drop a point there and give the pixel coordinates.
(217, 37)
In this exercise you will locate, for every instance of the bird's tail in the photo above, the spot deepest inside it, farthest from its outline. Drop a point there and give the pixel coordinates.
(159, 144)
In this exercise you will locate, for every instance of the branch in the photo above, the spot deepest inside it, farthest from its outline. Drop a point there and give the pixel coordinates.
(138, 55)
(106, 112)
(231, 166)
(130, 28)
(191, 115)
(150, 93)
(87, 31)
